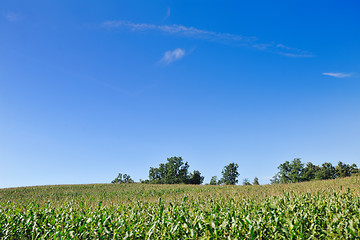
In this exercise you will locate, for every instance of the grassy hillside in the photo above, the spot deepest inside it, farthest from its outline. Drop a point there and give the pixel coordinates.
(320, 209)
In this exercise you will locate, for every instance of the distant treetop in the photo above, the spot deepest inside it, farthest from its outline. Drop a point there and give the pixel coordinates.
(295, 171)
(174, 171)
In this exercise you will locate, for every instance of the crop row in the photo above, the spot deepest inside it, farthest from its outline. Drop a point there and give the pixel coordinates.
(288, 216)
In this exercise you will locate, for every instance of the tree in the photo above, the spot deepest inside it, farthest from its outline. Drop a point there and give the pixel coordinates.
(275, 179)
(327, 171)
(345, 170)
(122, 179)
(174, 171)
(196, 178)
(154, 174)
(246, 182)
(213, 180)
(289, 172)
(310, 171)
(296, 172)
(230, 174)
(256, 181)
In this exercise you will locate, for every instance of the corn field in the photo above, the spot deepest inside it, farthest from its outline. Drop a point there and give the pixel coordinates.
(313, 210)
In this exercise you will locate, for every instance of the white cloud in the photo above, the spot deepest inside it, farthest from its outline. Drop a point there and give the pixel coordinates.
(338, 75)
(171, 56)
(179, 30)
(12, 17)
(296, 55)
(224, 38)
(168, 12)
(293, 52)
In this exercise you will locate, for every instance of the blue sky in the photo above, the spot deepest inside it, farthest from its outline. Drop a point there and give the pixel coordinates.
(88, 90)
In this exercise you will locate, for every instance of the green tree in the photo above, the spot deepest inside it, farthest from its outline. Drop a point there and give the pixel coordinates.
(154, 175)
(246, 182)
(196, 178)
(122, 179)
(345, 170)
(256, 181)
(310, 171)
(275, 179)
(213, 180)
(230, 174)
(296, 172)
(327, 171)
(174, 171)
(289, 172)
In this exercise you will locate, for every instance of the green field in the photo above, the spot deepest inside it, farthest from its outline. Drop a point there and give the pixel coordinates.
(311, 210)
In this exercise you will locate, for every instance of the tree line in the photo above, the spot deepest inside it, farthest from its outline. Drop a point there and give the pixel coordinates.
(176, 171)
(296, 171)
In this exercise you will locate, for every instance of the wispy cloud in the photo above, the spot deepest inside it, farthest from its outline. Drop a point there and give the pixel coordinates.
(168, 12)
(293, 52)
(177, 29)
(171, 56)
(338, 74)
(284, 50)
(12, 17)
(224, 38)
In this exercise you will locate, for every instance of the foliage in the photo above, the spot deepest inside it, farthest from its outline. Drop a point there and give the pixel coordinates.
(345, 170)
(230, 174)
(327, 171)
(310, 171)
(122, 179)
(174, 171)
(196, 178)
(213, 180)
(246, 182)
(291, 172)
(256, 181)
(275, 179)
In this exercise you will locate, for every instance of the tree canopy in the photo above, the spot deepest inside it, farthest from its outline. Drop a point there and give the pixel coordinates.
(174, 171)
(213, 180)
(295, 171)
(256, 181)
(122, 179)
(230, 174)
